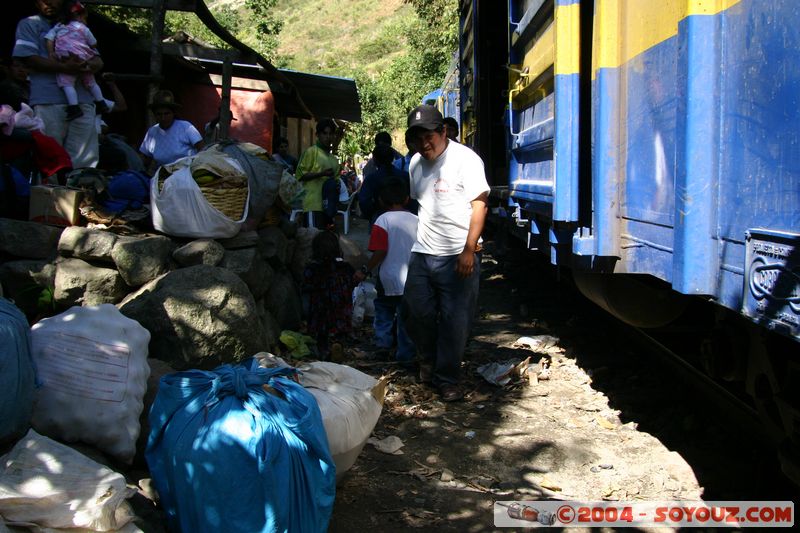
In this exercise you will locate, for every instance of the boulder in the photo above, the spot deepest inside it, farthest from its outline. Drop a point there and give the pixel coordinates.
(80, 283)
(198, 317)
(28, 240)
(288, 228)
(24, 280)
(140, 260)
(243, 239)
(301, 255)
(283, 300)
(248, 264)
(272, 330)
(274, 244)
(87, 244)
(199, 252)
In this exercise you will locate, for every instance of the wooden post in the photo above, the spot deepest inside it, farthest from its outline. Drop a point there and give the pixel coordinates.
(159, 11)
(225, 101)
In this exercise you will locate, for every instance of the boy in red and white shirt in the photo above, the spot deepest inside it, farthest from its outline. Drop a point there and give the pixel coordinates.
(393, 234)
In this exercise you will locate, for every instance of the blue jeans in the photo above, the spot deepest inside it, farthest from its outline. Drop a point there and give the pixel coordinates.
(438, 308)
(386, 318)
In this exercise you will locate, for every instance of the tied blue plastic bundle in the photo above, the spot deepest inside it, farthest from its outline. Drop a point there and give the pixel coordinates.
(17, 373)
(129, 189)
(227, 455)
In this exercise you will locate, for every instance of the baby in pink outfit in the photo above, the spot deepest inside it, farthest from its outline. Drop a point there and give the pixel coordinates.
(75, 39)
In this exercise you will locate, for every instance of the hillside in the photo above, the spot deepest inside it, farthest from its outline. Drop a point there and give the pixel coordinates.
(335, 37)
(342, 36)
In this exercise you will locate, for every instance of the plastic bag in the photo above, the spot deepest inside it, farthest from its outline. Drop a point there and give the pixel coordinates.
(92, 362)
(45, 483)
(181, 210)
(241, 448)
(17, 378)
(297, 343)
(363, 302)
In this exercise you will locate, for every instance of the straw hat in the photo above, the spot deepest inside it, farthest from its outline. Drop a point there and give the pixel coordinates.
(164, 99)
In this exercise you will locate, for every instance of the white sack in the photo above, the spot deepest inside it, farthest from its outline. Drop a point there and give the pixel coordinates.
(346, 402)
(181, 210)
(349, 410)
(92, 362)
(51, 485)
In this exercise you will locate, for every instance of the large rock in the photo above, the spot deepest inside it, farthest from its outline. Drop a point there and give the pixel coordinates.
(288, 228)
(272, 330)
(198, 317)
(140, 260)
(243, 239)
(274, 244)
(199, 252)
(24, 280)
(283, 300)
(28, 240)
(248, 264)
(80, 283)
(301, 255)
(87, 244)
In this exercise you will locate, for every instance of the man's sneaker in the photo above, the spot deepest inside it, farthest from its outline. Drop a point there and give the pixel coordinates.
(450, 392)
(73, 112)
(100, 107)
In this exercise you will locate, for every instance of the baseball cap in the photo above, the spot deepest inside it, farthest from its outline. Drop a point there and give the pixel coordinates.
(425, 116)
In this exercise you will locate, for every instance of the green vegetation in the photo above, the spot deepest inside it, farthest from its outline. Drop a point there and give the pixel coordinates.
(396, 50)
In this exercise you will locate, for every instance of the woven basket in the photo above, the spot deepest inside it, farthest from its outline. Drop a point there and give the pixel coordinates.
(230, 199)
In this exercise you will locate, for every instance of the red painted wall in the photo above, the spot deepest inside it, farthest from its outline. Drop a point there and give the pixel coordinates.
(253, 111)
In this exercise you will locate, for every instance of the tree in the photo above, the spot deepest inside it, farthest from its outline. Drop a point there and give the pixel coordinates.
(267, 27)
(386, 101)
(375, 117)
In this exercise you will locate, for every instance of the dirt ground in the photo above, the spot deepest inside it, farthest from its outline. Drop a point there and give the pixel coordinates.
(605, 424)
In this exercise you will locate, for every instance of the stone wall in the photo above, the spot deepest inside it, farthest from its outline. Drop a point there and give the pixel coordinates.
(205, 302)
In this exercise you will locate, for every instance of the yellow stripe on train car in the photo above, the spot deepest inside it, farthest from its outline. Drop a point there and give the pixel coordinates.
(568, 39)
(558, 46)
(624, 29)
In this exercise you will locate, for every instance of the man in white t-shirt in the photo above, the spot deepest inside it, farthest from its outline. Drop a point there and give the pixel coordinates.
(441, 291)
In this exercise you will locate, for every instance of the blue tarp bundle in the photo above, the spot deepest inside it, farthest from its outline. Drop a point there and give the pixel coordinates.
(226, 455)
(17, 376)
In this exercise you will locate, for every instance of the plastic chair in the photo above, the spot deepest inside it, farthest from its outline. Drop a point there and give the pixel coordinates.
(345, 211)
(309, 219)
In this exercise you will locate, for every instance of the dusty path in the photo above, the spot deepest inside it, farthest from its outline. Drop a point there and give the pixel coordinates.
(607, 425)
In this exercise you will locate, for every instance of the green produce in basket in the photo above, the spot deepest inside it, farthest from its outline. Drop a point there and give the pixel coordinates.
(204, 179)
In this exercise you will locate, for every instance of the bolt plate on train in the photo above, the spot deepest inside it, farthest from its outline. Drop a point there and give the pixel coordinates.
(772, 280)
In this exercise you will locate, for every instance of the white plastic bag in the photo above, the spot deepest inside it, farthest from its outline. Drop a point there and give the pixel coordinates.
(181, 210)
(363, 302)
(92, 362)
(51, 485)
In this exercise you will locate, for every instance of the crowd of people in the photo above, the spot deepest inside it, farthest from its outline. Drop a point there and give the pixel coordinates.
(426, 211)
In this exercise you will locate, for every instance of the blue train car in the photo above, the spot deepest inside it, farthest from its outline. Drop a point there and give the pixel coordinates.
(446, 98)
(653, 147)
